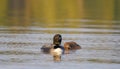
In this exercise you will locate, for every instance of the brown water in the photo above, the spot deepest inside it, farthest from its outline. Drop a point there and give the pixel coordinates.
(25, 26)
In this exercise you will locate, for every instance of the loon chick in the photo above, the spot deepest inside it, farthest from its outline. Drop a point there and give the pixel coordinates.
(71, 46)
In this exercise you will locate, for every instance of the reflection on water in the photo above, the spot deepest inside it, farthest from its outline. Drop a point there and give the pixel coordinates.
(27, 12)
(26, 25)
(38, 30)
(21, 46)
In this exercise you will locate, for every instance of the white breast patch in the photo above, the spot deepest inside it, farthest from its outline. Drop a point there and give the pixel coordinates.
(58, 51)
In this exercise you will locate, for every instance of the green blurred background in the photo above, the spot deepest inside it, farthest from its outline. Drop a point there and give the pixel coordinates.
(49, 13)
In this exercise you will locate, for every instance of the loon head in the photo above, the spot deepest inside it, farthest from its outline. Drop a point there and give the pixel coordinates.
(57, 39)
(71, 46)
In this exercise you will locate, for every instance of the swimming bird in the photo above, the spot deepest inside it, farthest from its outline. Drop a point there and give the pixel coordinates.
(57, 50)
(71, 46)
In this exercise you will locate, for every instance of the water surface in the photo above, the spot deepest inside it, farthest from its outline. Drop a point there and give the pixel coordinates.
(26, 25)
(20, 48)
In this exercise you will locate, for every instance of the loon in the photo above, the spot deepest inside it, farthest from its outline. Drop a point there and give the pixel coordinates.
(56, 50)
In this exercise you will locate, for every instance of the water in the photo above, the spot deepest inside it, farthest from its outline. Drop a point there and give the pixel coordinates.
(26, 25)
(20, 48)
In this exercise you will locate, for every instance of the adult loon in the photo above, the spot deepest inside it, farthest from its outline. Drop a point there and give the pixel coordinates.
(57, 50)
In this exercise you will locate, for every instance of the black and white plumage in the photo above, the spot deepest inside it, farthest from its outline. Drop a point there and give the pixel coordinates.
(57, 50)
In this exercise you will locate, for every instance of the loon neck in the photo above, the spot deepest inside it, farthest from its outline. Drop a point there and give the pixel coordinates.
(57, 46)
